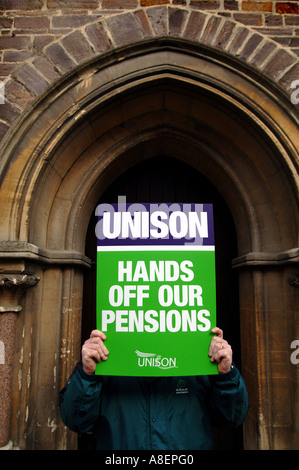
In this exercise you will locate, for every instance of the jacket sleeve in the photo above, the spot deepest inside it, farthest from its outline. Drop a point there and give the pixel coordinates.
(80, 399)
(229, 400)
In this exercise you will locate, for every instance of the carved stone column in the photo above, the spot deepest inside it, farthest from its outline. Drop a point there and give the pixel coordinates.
(12, 287)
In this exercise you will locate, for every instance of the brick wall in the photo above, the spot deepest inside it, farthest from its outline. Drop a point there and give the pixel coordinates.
(41, 40)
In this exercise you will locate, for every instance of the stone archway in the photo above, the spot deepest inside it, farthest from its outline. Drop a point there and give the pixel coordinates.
(189, 102)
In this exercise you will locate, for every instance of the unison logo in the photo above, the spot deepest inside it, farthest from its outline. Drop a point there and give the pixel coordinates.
(156, 223)
(155, 360)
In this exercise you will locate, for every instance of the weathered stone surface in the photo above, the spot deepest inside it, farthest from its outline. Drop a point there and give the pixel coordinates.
(98, 37)
(124, 29)
(59, 56)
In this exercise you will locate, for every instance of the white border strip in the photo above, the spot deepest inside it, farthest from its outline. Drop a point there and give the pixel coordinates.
(157, 248)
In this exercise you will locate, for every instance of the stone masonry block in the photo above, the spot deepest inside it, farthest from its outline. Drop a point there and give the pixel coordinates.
(238, 40)
(16, 56)
(72, 4)
(124, 28)
(289, 77)
(77, 46)
(210, 30)
(149, 3)
(251, 45)
(98, 37)
(195, 25)
(143, 23)
(3, 129)
(70, 21)
(117, 4)
(59, 57)
(262, 54)
(16, 93)
(46, 68)
(225, 34)
(206, 4)
(8, 112)
(21, 5)
(177, 20)
(16, 42)
(279, 63)
(158, 18)
(32, 22)
(31, 79)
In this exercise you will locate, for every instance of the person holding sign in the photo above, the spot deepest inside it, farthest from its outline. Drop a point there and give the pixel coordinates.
(155, 413)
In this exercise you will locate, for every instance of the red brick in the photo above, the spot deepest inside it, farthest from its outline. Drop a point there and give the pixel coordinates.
(6, 70)
(46, 68)
(225, 34)
(31, 79)
(256, 6)
(287, 8)
(8, 112)
(32, 22)
(21, 5)
(149, 3)
(16, 42)
(238, 39)
(274, 20)
(279, 63)
(70, 21)
(61, 59)
(195, 24)
(264, 52)
(158, 18)
(72, 4)
(16, 56)
(292, 20)
(250, 19)
(276, 31)
(211, 29)
(16, 93)
(177, 20)
(41, 41)
(291, 75)
(77, 46)
(251, 45)
(124, 28)
(5, 23)
(98, 37)
(231, 5)
(143, 23)
(205, 4)
(119, 4)
(3, 129)
(294, 42)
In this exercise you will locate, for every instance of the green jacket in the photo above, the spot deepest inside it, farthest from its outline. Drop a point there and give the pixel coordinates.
(170, 413)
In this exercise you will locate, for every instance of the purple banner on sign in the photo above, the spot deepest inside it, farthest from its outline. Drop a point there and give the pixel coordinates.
(155, 224)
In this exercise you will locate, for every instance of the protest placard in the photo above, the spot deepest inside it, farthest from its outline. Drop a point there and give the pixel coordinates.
(156, 288)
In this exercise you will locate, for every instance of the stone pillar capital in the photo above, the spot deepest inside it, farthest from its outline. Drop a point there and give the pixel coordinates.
(12, 287)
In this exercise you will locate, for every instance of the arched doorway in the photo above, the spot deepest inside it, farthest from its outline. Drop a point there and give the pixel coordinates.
(190, 103)
(165, 179)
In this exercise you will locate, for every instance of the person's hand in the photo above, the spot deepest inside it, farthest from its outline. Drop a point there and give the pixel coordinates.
(93, 351)
(220, 351)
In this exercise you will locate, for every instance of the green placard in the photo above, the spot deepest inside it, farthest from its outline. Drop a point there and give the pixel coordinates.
(156, 305)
